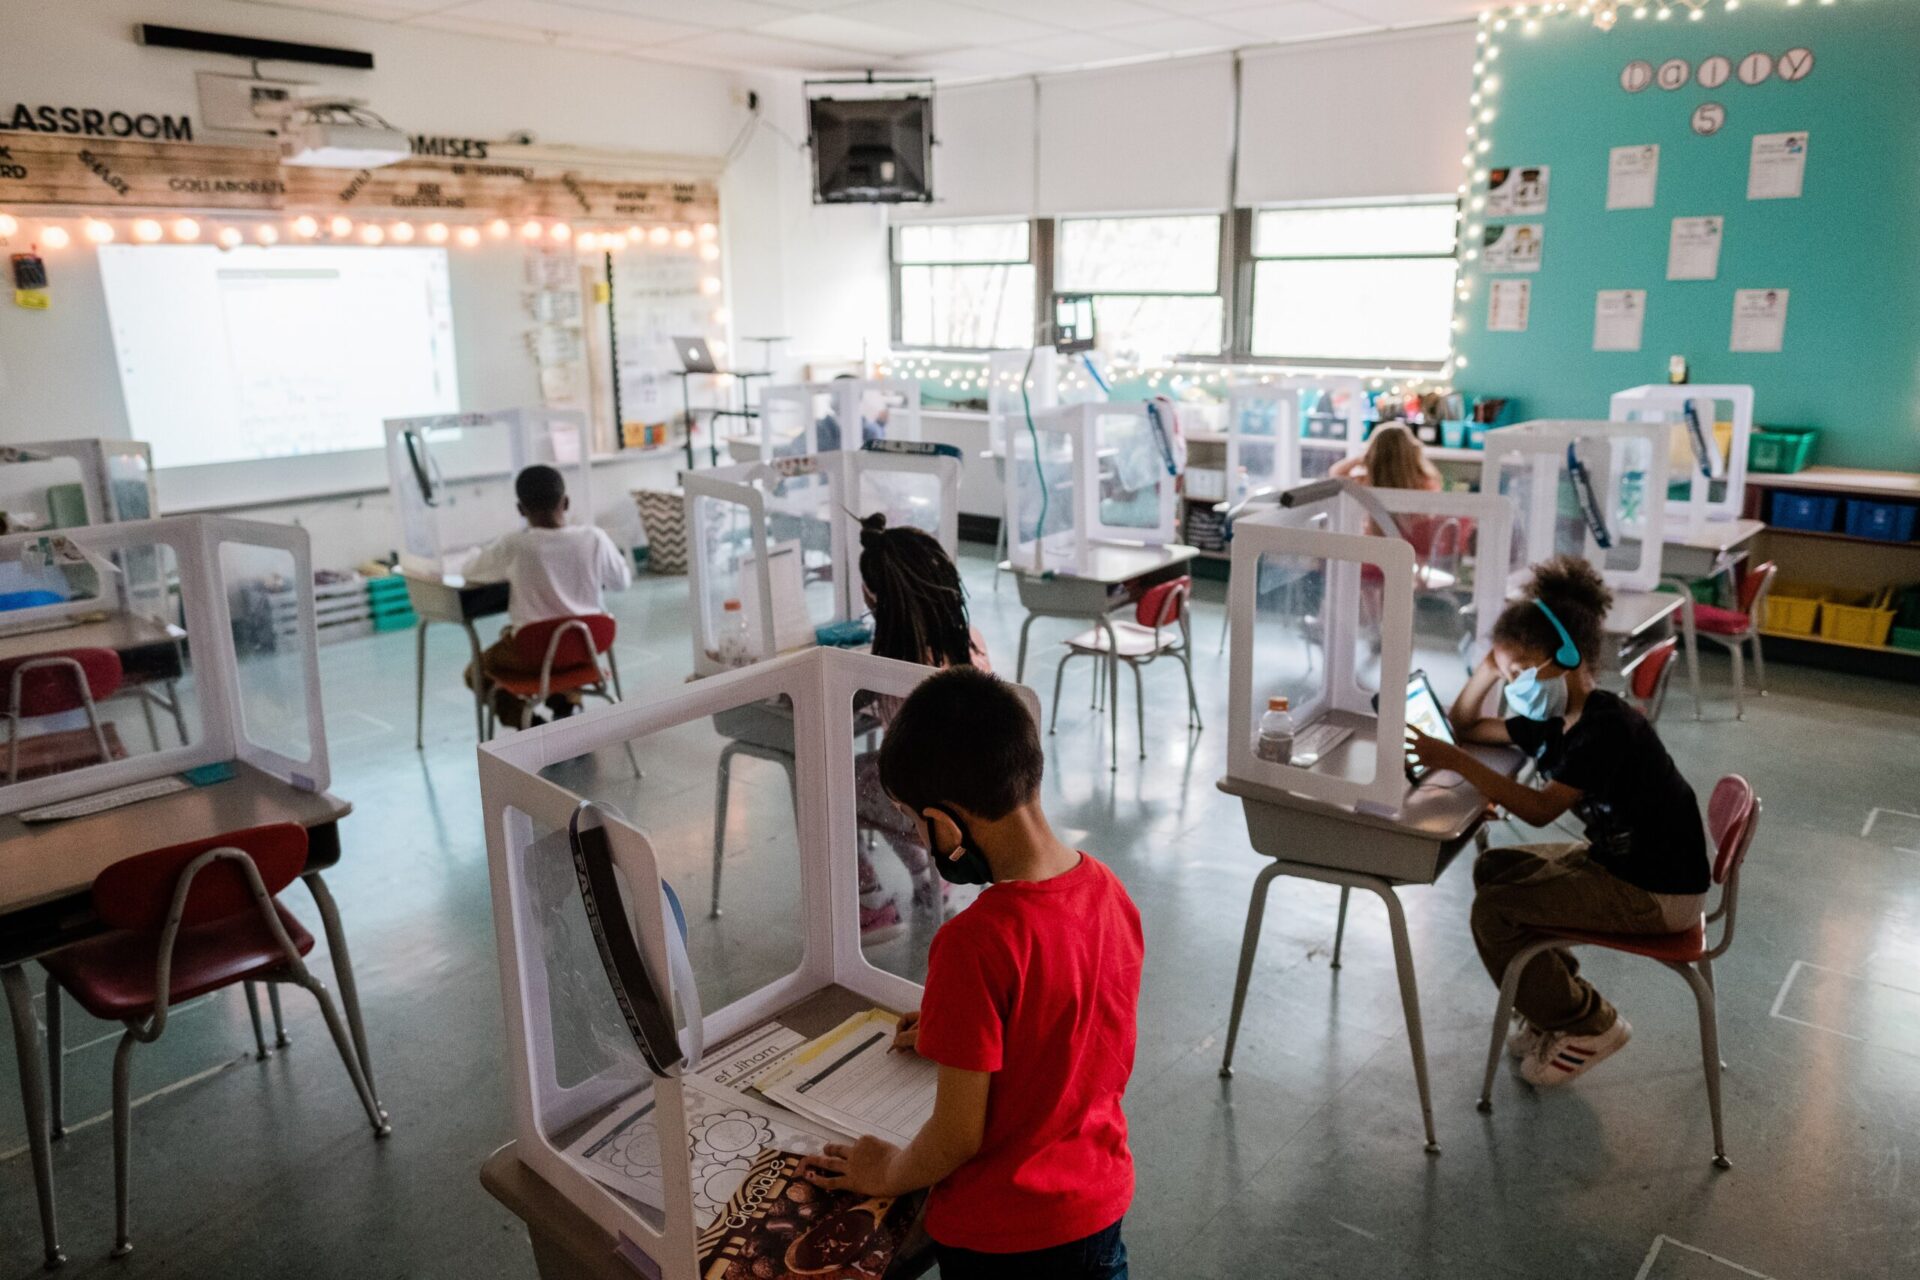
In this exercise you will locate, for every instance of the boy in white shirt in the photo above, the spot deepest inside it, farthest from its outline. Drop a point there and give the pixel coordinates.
(552, 570)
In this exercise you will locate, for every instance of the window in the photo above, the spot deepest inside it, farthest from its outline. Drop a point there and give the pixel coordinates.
(1367, 283)
(1155, 281)
(963, 285)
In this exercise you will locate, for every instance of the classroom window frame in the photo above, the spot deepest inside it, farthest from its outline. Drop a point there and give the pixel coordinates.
(1223, 273)
(1038, 243)
(1248, 259)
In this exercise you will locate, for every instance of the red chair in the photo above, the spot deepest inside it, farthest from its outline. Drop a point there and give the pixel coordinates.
(1736, 628)
(1733, 815)
(567, 653)
(1162, 626)
(184, 921)
(48, 684)
(1649, 675)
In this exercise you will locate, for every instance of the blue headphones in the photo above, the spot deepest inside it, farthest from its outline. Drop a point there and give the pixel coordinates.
(1568, 655)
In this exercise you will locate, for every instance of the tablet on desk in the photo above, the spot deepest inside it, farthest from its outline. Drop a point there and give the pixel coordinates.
(1424, 713)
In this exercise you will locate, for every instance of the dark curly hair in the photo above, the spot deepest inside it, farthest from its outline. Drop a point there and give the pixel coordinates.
(1578, 596)
(919, 606)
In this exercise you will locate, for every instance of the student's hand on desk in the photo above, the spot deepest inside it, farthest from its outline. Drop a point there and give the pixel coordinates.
(862, 1168)
(1432, 753)
(907, 1034)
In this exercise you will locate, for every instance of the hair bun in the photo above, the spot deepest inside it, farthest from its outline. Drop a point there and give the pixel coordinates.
(871, 529)
(1570, 581)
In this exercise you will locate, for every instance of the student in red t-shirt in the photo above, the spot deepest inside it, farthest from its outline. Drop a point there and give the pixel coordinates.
(1029, 1008)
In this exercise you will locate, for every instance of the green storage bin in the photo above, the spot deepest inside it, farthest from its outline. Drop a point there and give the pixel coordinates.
(1780, 450)
(1905, 638)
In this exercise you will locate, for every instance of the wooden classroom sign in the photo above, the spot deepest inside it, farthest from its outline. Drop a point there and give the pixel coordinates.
(111, 174)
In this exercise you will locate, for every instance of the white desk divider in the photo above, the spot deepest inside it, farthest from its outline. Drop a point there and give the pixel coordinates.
(1286, 431)
(791, 415)
(745, 520)
(1611, 510)
(571, 1057)
(1716, 471)
(245, 601)
(1007, 371)
(1324, 619)
(428, 458)
(1101, 474)
(115, 477)
(1463, 548)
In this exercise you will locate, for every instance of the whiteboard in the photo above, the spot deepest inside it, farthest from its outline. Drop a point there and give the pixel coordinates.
(258, 353)
(659, 295)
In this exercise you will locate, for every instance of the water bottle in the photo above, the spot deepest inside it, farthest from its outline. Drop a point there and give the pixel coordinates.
(1276, 733)
(733, 647)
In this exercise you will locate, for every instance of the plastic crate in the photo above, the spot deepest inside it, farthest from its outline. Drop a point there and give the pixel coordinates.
(1805, 511)
(1792, 611)
(1881, 521)
(1780, 450)
(1905, 638)
(1866, 621)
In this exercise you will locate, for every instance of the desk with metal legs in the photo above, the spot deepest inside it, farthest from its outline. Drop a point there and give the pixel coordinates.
(457, 601)
(46, 881)
(1712, 549)
(1313, 840)
(1115, 577)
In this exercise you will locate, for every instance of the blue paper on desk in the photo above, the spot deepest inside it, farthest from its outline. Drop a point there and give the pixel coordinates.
(205, 775)
(843, 635)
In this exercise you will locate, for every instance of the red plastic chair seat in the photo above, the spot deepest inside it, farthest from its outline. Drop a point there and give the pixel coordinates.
(1684, 947)
(561, 681)
(1131, 641)
(1714, 620)
(112, 975)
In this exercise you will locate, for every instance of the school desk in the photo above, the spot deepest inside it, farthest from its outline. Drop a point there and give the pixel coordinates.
(46, 881)
(449, 599)
(151, 657)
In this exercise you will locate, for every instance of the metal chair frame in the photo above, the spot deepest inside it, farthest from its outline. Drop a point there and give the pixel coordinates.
(1173, 612)
(86, 703)
(606, 687)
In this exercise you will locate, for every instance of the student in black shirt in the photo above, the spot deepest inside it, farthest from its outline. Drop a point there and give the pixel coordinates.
(1643, 866)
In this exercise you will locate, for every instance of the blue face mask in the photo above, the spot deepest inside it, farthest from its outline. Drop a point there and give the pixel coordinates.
(1534, 698)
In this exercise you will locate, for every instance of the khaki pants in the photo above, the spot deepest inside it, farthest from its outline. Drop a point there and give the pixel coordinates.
(1523, 893)
(502, 658)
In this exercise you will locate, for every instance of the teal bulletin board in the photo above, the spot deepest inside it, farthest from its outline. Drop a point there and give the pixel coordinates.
(1847, 250)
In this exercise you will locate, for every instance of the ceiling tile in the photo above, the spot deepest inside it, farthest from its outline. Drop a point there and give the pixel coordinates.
(1412, 11)
(375, 8)
(948, 23)
(508, 31)
(1076, 15)
(1199, 7)
(975, 62)
(701, 13)
(1076, 48)
(1179, 35)
(613, 30)
(751, 49)
(837, 32)
(1293, 20)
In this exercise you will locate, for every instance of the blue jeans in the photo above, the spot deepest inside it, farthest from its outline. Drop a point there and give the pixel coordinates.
(1100, 1256)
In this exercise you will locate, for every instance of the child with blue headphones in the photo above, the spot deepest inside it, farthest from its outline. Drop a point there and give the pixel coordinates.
(1642, 866)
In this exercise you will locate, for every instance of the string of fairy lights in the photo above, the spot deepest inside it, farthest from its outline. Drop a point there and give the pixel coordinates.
(1524, 20)
(963, 377)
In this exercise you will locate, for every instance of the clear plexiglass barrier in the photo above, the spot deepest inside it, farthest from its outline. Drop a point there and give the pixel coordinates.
(747, 828)
(1707, 459)
(154, 646)
(1283, 431)
(1324, 619)
(1596, 490)
(1018, 383)
(1088, 473)
(1465, 553)
(801, 418)
(433, 462)
(63, 484)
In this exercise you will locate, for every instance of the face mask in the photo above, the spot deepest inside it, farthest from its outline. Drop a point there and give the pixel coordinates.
(1533, 698)
(964, 863)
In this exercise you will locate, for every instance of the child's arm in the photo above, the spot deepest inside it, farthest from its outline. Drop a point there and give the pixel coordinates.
(614, 570)
(950, 1137)
(1468, 724)
(1535, 808)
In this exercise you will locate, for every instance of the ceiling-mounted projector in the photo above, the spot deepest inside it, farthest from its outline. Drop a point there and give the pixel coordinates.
(336, 133)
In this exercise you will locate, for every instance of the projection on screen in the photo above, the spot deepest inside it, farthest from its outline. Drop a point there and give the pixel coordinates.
(274, 353)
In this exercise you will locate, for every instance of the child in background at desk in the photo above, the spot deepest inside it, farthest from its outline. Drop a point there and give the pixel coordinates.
(1029, 1008)
(1643, 866)
(552, 570)
(1393, 460)
(919, 615)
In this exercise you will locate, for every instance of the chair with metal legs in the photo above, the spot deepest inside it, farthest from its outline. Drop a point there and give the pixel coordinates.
(1162, 627)
(1649, 675)
(46, 684)
(566, 652)
(184, 921)
(1733, 815)
(1736, 629)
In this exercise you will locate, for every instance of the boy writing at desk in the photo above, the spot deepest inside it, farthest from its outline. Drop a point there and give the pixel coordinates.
(1028, 1010)
(1643, 866)
(552, 570)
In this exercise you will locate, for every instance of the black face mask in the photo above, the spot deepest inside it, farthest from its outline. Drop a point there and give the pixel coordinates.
(964, 864)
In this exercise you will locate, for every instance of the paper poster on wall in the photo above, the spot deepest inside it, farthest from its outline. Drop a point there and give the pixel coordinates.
(1633, 173)
(1693, 251)
(1759, 320)
(1508, 302)
(1515, 192)
(1778, 168)
(1619, 318)
(1514, 247)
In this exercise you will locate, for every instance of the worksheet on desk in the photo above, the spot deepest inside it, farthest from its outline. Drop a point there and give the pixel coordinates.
(852, 1080)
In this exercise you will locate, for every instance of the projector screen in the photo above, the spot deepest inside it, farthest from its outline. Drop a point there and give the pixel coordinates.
(232, 356)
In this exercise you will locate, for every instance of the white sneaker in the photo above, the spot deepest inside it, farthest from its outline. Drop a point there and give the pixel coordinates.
(1561, 1057)
(1524, 1038)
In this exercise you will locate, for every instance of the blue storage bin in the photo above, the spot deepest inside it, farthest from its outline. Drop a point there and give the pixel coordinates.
(1883, 521)
(1477, 435)
(1807, 511)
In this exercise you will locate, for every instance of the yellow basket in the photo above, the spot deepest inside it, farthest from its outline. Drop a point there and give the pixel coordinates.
(1792, 611)
(1866, 622)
